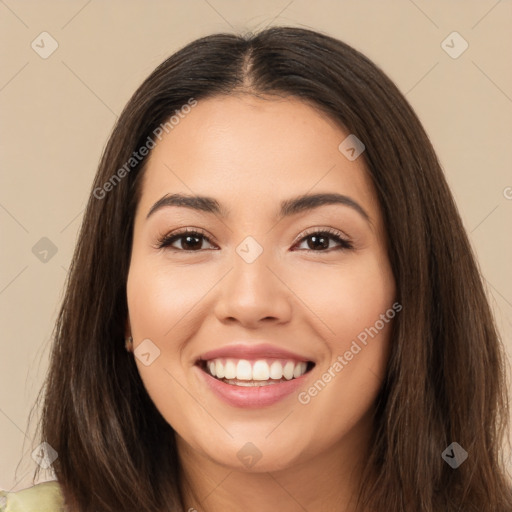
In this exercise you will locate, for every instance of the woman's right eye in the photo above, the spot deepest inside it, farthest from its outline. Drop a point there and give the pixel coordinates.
(190, 240)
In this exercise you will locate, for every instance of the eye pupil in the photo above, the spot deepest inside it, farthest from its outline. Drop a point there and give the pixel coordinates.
(185, 241)
(316, 238)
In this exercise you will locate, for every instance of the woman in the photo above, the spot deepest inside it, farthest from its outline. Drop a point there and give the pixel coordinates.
(273, 300)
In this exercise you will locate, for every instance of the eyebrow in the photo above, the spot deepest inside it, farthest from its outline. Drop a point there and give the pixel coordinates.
(288, 207)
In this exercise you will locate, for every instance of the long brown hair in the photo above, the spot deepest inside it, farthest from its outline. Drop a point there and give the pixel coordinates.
(445, 378)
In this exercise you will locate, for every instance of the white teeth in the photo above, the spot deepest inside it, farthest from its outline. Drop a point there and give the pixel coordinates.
(299, 370)
(230, 369)
(260, 370)
(243, 370)
(276, 370)
(288, 370)
(219, 369)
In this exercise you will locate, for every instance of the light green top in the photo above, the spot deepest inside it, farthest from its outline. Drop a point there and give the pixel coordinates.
(43, 497)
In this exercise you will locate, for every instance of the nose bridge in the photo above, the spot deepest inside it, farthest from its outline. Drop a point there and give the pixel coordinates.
(252, 260)
(251, 276)
(251, 291)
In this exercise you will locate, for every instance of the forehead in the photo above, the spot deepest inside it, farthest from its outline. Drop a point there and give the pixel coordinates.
(248, 150)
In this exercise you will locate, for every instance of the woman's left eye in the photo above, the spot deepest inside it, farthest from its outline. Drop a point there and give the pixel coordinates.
(318, 241)
(321, 240)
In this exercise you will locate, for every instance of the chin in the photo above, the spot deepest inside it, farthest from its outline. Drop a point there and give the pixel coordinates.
(254, 456)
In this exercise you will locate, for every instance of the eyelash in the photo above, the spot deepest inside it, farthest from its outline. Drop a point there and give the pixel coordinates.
(166, 240)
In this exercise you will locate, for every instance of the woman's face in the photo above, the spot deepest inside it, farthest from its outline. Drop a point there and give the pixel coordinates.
(259, 293)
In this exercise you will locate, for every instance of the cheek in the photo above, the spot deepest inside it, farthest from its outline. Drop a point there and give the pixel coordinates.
(162, 298)
(354, 303)
(358, 319)
(364, 296)
(161, 302)
(161, 305)
(347, 298)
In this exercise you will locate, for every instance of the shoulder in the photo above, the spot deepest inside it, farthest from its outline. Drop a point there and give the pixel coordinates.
(43, 497)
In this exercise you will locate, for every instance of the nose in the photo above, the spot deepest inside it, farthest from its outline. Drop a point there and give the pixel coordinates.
(253, 293)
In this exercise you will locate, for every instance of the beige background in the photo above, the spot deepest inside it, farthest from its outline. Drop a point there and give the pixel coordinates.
(57, 114)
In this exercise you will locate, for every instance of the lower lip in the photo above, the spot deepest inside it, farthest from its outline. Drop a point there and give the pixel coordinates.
(251, 396)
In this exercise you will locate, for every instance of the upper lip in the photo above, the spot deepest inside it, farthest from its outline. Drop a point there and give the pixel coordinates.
(251, 351)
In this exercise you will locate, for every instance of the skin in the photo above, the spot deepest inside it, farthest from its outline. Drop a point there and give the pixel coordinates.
(250, 154)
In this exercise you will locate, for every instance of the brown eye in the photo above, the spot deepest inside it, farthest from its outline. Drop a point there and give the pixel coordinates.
(319, 241)
(190, 241)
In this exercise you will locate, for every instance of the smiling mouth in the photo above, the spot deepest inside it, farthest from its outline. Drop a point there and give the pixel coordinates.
(260, 372)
